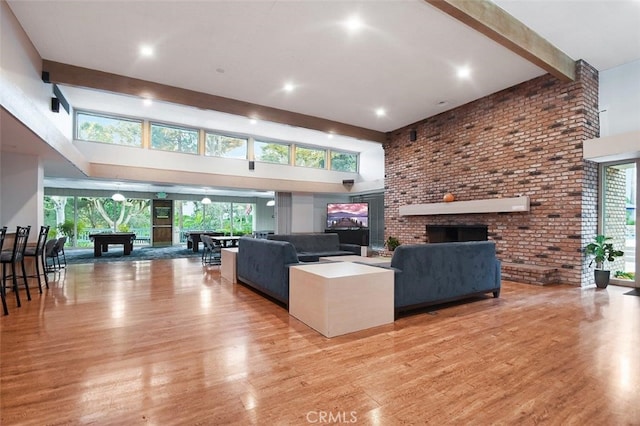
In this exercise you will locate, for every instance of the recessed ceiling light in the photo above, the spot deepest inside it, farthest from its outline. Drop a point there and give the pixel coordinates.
(464, 72)
(288, 87)
(380, 112)
(330, 135)
(353, 24)
(253, 121)
(147, 102)
(146, 51)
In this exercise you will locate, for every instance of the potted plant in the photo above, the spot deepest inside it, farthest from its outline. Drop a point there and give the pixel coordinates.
(602, 250)
(392, 243)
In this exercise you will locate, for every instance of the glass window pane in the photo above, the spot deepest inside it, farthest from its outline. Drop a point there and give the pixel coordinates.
(96, 214)
(271, 152)
(59, 215)
(98, 128)
(169, 138)
(243, 218)
(344, 161)
(310, 157)
(225, 146)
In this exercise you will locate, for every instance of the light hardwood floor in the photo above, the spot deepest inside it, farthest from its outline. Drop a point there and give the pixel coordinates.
(170, 342)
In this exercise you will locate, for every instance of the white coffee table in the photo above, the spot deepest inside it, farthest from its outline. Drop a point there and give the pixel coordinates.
(228, 264)
(341, 297)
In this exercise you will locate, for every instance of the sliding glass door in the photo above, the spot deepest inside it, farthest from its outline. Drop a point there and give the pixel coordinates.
(619, 195)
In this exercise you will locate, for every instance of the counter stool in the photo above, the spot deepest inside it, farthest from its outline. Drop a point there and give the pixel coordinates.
(13, 258)
(37, 253)
(3, 233)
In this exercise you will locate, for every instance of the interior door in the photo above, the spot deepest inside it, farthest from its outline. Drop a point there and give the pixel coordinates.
(162, 218)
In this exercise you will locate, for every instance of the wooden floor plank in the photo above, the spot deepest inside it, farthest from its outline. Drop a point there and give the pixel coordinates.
(171, 342)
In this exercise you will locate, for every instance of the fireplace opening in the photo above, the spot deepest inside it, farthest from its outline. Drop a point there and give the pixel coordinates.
(456, 233)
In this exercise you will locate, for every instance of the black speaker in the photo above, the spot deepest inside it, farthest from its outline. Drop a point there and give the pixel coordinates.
(55, 105)
(413, 136)
(348, 181)
(45, 77)
(252, 165)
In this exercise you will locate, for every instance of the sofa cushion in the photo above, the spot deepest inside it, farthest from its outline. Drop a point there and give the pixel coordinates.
(310, 243)
(315, 256)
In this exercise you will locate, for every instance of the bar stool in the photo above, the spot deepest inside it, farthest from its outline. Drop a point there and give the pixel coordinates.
(3, 233)
(37, 253)
(12, 258)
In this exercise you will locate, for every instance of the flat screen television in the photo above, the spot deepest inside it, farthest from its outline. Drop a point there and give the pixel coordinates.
(347, 215)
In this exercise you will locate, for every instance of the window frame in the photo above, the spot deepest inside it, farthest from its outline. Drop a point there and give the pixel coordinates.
(197, 130)
(289, 145)
(310, 148)
(76, 132)
(332, 151)
(226, 135)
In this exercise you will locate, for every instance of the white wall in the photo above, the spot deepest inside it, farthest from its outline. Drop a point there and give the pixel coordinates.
(21, 76)
(620, 99)
(265, 216)
(302, 218)
(309, 211)
(25, 96)
(22, 192)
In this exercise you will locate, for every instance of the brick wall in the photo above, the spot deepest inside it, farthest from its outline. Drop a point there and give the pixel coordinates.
(523, 140)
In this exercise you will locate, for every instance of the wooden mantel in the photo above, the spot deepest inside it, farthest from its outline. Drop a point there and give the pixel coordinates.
(490, 205)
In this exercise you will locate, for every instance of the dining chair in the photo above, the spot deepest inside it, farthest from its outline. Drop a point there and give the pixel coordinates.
(51, 252)
(211, 254)
(3, 233)
(37, 253)
(61, 242)
(13, 258)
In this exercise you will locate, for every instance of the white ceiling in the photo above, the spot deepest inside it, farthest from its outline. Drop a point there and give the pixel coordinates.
(403, 60)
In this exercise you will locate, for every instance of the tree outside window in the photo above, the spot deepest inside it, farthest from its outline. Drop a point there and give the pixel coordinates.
(177, 139)
(344, 161)
(99, 128)
(271, 152)
(225, 146)
(310, 157)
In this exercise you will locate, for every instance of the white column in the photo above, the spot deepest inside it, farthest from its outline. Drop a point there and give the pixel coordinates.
(21, 192)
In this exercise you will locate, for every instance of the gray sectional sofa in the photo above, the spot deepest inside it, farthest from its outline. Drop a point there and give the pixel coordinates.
(310, 247)
(424, 274)
(429, 274)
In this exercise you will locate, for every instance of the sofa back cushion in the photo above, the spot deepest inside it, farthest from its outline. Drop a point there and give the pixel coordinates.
(310, 243)
(265, 264)
(444, 271)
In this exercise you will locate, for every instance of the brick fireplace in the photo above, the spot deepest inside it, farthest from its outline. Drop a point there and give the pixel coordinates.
(525, 140)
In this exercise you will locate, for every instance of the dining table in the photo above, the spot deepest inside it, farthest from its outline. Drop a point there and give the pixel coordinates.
(227, 241)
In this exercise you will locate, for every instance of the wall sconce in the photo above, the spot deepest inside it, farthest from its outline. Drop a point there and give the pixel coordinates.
(206, 200)
(118, 197)
(271, 203)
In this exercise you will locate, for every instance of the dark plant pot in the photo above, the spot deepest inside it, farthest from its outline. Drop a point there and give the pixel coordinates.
(602, 278)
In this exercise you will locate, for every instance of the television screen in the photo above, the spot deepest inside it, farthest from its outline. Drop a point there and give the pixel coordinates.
(347, 215)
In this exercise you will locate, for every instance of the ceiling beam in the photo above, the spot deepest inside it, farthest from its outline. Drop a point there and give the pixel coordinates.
(87, 78)
(487, 18)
